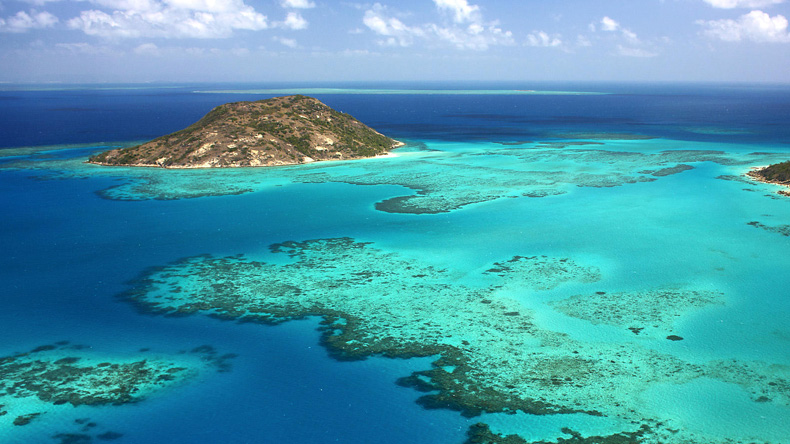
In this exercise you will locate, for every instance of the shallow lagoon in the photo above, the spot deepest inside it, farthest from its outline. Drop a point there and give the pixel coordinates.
(588, 205)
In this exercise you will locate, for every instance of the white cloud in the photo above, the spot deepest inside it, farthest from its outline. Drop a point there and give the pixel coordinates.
(38, 2)
(756, 26)
(461, 10)
(542, 39)
(148, 49)
(291, 43)
(397, 33)
(194, 51)
(477, 35)
(608, 24)
(169, 19)
(583, 41)
(217, 6)
(628, 42)
(198, 52)
(358, 53)
(635, 52)
(297, 4)
(86, 48)
(23, 21)
(294, 21)
(630, 37)
(730, 4)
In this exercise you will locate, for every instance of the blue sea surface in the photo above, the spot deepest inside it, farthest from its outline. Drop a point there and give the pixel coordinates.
(75, 237)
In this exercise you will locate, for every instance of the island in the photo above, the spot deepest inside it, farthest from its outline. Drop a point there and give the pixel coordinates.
(278, 131)
(778, 174)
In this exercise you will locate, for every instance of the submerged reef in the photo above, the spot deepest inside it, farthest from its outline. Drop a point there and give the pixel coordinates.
(480, 433)
(25, 419)
(62, 373)
(602, 136)
(445, 185)
(784, 230)
(441, 181)
(669, 170)
(637, 311)
(491, 353)
(84, 432)
(72, 380)
(445, 182)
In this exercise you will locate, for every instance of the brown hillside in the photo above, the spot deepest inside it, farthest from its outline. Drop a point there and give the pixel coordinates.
(279, 131)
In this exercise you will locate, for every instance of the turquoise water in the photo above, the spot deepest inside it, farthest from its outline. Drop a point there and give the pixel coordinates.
(547, 248)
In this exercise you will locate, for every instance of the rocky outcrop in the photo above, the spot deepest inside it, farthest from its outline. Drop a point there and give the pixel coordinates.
(778, 173)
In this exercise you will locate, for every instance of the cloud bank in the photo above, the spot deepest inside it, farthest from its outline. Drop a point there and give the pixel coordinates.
(23, 21)
(756, 26)
(461, 10)
(168, 19)
(466, 30)
(731, 4)
(297, 4)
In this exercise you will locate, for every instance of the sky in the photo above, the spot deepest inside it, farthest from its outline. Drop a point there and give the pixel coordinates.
(131, 41)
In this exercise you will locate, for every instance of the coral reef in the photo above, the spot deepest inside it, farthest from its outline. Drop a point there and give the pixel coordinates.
(441, 181)
(784, 230)
(491, 354)
(637, 311)
(481, 434)
(67, 374)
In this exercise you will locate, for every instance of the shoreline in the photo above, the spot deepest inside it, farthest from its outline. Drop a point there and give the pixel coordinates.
(387, 154)
(753, 174)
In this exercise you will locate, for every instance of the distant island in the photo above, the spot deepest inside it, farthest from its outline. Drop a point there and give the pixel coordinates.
(279, 131)
(778, 173)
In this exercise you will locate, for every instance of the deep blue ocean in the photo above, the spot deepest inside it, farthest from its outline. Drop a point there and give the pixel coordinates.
(73, 237)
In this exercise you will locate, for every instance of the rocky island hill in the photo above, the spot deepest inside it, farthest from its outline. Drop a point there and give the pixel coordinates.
(778, 173)
(279, 131)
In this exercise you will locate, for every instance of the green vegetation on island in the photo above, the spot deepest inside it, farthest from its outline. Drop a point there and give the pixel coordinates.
(279, 131)
(778, 173)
